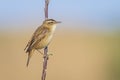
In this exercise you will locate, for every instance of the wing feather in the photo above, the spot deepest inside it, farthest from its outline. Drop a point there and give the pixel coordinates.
(39, 34)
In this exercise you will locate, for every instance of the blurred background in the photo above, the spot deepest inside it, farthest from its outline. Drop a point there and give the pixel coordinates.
(86, 45)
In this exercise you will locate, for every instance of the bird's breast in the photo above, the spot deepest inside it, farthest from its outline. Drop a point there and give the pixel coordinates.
(48, 38)
(45, 41)
(53, 28)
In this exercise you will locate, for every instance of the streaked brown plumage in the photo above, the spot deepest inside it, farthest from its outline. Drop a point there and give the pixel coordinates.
(41, 37)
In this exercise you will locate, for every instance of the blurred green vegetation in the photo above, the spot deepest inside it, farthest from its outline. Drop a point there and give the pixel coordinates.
(114, 47)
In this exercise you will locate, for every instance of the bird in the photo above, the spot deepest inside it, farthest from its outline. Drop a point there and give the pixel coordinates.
(41, 38)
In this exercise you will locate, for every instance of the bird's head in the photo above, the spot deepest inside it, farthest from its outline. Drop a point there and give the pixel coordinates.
(50, 22)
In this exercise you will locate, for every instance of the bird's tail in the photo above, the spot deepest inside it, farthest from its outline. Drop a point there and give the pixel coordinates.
(29, 57)
(28, 60)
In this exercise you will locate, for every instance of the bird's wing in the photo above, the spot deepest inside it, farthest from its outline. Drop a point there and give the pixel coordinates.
(37, 36)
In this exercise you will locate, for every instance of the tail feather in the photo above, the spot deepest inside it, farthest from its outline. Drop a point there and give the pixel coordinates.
(30, 53)
(28, 60)
(27, 46)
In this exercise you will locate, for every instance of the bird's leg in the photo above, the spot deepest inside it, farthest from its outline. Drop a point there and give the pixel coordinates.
(48, 54)
(40, 51)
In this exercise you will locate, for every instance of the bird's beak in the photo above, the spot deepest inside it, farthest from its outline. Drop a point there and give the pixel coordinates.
(58, 21)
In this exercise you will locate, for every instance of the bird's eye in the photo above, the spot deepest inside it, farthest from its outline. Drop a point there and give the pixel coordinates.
(50, 23)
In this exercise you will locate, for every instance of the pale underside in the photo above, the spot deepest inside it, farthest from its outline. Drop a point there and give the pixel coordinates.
(47, 39)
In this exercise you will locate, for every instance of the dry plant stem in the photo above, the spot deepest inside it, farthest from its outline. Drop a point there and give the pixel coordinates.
(46, 8)
(46, 48)
(45, 63)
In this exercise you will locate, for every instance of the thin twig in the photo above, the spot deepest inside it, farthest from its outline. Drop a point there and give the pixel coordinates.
(45, 64)
(46, 8)
(46, 48)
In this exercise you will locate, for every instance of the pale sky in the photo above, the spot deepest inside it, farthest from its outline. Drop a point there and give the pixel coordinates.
(27, 13)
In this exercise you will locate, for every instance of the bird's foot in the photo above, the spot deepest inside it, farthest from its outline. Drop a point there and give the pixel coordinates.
(44, 55)
(49, 54)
